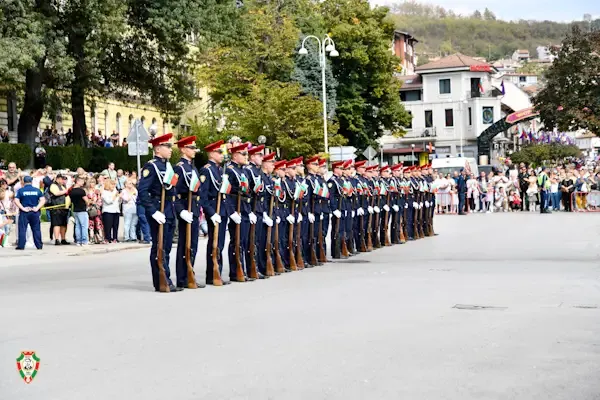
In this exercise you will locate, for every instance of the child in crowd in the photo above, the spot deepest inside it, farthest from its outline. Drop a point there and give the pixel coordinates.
(515, 200)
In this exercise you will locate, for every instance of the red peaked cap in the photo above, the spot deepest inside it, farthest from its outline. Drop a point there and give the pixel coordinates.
(239, 147)
(256, 149)
(348, 163)
(280, 164)
(312, 160)
(322, 162)
(214, 146)
(269, 157)
(337, 164)
(157, 141)
(186, 141)
(384, 169)
(397, 167)
(360, 164)
(297, 161)
(372, 168)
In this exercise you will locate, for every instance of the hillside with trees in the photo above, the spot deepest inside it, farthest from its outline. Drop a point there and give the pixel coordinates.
(441, 32)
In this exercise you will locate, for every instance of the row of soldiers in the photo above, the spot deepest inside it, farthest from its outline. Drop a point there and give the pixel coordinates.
(279, 213)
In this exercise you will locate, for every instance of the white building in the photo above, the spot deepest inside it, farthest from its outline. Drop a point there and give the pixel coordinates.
(403, 47)
(588, 143)
(544, 54)
(520, 79)
(452, 101)
(521, 55)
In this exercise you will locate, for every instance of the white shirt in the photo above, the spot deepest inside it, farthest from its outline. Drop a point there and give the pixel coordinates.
(110, 201)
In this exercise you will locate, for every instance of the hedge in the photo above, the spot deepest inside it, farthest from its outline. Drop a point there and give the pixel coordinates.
(94, 159)
(20, 154)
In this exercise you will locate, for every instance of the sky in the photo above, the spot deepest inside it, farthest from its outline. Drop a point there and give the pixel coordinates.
(553, 10)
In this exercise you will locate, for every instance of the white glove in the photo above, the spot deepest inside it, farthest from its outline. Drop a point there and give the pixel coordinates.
(415, 205)
(216, 219)
(252, 218)
(353, 214)
(360, 211)
(311, 218)
(267, 220)
(236, 218)
(300, 218)
(386, 208)
(376, 209)
(396, 208)
(159, 217)
(322, 217)
(187, 216)
(370, 210)
(337, 213)
(278, 220)
(290, 218)
(426, 203)
(421, 205)
(405, 205)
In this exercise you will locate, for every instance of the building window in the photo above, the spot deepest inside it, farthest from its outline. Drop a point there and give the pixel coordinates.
(410, 95)
(523, 79)
(449, 117)
(470, 117)
(488, 115)
(409, 125)
(445, 87)
(428, 119)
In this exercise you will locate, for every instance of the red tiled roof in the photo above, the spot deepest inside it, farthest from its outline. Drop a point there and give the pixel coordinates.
(410, 81)
(454, 61)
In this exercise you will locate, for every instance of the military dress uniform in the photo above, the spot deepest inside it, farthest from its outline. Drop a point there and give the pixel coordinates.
(337, 204)
(150, 190)
(325, 209)
(362, 206)
(211, 179)
(351, 207)
(289, 187)
(257, 207)
(262, 239)
(395, 208)
(281, 212)
(239, 189)
(313, 209)
(188, 177)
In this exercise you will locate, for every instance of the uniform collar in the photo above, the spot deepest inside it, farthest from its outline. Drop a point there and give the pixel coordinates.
(235, 164)
(160, 159)
(185, 160)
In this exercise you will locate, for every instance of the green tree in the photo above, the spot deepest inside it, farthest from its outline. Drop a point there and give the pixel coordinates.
(571, 98)
(477, 14)
(538, 154)
(367, 93)
(488, 15)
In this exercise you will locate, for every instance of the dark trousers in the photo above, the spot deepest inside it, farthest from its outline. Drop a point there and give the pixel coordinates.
(143, 227)
(306, 239)
(349, 231)
(31, 219)
(543, 201)
(566, 199)
(181, 262)
(284, 240)
(358, 228)
(260, 236)
(220, 245)
(461, 203)
(395, 223)
(336, 249)
(410, 220)
(234, 251)
(325, 230)
(168, 231)
(111, 226)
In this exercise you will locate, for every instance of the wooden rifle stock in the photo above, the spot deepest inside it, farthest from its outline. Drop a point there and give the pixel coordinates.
(269, 251)
(279, 268)
(216, 281)
(376, 242)
(313, 247)
(293, 265)
(386, 236)
(191, 279)
(253, 273)
(299, 258)
(163, 286)
(239, 270)
(363, 244)
(402, 224)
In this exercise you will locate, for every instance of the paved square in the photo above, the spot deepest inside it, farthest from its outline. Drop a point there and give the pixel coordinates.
(406, 322)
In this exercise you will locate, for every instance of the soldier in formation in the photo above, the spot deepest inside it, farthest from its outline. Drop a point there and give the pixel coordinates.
(279, 213)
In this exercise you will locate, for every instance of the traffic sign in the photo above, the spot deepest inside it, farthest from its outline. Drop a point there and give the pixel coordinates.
(140, 148)
(342, 153)
(370, 153)
(138, 128)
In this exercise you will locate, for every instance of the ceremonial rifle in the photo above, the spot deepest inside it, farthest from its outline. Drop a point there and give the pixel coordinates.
(239, 270)
(293, 265)
(386, 237)
(299, 258)
(191, 279)
(269, 251)
(369, 224)
(253, 273)
(362, 244)
(376, 242)
(215, 250)
(163, 286)
(313, 250)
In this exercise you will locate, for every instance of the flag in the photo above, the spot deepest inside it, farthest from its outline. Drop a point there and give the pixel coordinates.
(170, 178)
(523, 134)
(383, 189)
(347, 188)
(258, 185)
(194, 182)
(376, 187)
(278, 190)
(480, 86)
(225, 185)
(324, 192)
(297, 192)
(244, 184)
(3, 239)
(502, 88)
(303, 189)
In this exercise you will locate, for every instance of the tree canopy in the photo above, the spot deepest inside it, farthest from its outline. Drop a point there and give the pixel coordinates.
(571, 98)
(537, 154)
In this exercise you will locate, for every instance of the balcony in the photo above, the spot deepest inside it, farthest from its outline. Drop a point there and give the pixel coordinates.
(420, 133)
(475, 93)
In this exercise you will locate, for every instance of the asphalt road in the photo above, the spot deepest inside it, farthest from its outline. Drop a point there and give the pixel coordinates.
(404, 322)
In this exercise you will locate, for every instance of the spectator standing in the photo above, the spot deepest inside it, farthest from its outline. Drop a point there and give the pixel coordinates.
(461, 187)
(29, 200)
(59, 216)
(80, 212)
(554, 192)
(544, 186)
(110, 211)
(110, 172)
(129, 199)
(96, 228)
(40, 156)
(523, 179)
(12, 175)
(120, 181)
(4, 136)
(8, 209)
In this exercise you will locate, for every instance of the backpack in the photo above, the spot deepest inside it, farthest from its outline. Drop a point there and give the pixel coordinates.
(48, 197)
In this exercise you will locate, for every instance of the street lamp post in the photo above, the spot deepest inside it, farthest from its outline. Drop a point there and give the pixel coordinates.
(325, 46)
(413, 153)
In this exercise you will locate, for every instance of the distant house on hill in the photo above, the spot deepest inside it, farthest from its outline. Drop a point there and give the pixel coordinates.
(403, 47)
(521, 55)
